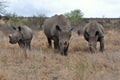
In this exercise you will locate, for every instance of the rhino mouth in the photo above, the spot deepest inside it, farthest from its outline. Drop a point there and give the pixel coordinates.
(64, 51)
(92, 49)
(12, 42)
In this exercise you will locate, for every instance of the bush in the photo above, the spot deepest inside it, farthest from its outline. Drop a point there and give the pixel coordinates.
(14, 19)
(75, 17)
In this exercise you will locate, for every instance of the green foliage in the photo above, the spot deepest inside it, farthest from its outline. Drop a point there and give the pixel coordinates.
(40, 18)
(35, 22)
(75, 17)
(14, 19)
(24, 21)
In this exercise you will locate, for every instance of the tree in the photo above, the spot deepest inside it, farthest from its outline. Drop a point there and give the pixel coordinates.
(13, 18)
(2, 7)
(40, 18)
(75, 17)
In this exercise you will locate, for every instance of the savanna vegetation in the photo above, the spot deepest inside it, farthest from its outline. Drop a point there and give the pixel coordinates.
(42, 63)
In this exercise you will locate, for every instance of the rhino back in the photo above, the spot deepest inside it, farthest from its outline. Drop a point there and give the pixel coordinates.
(50, 25)
(26, 32)
(92, 27)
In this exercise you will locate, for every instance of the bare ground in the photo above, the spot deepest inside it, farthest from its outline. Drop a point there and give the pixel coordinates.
(42, 63)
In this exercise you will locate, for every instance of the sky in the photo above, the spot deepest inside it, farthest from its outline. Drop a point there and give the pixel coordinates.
(90, 8)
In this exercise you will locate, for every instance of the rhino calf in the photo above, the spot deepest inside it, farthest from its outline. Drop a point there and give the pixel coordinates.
(93, 33)
(58, 29)
(23, 36)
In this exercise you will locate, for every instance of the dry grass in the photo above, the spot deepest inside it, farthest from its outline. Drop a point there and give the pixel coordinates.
(44, 64)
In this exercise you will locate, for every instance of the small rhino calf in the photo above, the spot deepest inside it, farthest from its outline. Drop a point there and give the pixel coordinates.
(23, 36)
(93, 33)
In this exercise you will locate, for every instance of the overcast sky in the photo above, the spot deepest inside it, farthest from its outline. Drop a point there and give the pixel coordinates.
(90, 8)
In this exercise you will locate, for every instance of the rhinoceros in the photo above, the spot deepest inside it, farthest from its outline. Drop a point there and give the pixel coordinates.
(93, 33)
(58, 29)
(22, 35)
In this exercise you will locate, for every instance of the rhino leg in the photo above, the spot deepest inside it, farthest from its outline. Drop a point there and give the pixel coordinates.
(49, 43)
(21, 44)
(28, 44)
(56, 44)
(25, 44)
(102, 44)
(65, 52)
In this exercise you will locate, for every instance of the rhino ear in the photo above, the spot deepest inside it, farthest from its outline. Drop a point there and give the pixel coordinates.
(58, 28)
(14, 27)
(19, 28)
(86, 34)
(97, 33)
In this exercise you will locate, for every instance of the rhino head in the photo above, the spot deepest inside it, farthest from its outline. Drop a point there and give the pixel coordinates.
(16, 36)
(92, 39)
(64, 38)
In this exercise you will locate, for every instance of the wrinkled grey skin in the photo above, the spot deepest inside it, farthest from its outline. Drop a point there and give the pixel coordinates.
(93, 33)
(23, 36)
(58, 29)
